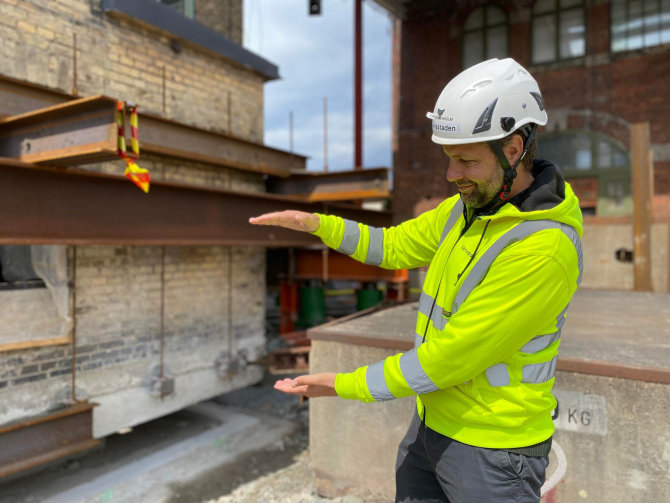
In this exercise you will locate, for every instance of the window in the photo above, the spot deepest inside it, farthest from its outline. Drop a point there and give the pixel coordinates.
(186, 7)
(639, 23)
(595, 165)
(16, 269)
(558, 30)
(484, 35)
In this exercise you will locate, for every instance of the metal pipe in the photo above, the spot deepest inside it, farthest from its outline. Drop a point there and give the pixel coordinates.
(325, 134)
(358, 84)
(75, 91)
(164, 94)
(290, 132)
(162, 369)
(230, 115)
(74, 322)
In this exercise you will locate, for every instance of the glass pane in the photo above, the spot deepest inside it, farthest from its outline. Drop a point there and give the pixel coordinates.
(473, 48)
(604, 154)
(635, 40)
(495, 15)
(572, 33)
(619, 26)
(542, 6)
(615, 195)
(665, 21)
(496, 43)
(582, 150)
(652, 28)
(569, 3)
(620, 160)
(544, 39)
(475, 20)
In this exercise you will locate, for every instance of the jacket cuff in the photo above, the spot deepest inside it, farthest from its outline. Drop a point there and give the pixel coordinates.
(344, 386)
(327, 229)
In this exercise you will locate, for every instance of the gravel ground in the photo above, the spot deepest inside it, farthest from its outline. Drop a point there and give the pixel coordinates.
(292, 482)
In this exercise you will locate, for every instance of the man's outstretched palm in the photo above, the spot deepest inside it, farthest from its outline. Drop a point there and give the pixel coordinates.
(291, 219)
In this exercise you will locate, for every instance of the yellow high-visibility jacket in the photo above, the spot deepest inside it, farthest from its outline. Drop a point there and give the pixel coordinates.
(490, 314)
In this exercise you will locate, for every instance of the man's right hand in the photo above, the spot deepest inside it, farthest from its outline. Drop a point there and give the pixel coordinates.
(291, 219)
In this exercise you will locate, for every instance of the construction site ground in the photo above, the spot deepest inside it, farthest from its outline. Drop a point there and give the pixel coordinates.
(250, 446)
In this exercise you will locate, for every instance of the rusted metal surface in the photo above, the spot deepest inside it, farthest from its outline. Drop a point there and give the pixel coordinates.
(50, 436)
(162, 136)
(309, 265)
(69, 133)
(69, 206)
(334, 186)
(289, 360)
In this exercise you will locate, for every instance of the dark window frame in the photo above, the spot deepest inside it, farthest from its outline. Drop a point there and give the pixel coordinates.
(21, 284)
(484, 30)
(613, 173)
(188, 8)
(556, 13)
(627, 21)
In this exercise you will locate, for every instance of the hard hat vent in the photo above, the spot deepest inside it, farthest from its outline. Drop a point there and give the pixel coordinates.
(484, 122)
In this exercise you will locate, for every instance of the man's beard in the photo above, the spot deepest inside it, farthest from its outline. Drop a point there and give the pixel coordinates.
(484, 192)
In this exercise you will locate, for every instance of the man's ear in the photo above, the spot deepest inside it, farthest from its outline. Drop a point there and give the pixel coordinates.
(514, 149)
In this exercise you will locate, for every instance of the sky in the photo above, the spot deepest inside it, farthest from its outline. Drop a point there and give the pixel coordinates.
(316, 60)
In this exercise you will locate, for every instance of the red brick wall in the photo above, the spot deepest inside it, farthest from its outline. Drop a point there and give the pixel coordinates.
(601, 91)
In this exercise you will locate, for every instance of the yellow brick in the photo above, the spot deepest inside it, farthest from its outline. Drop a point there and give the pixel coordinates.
(25, 26)
(44, 33)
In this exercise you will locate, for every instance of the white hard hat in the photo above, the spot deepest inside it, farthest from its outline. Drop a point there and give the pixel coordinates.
(487, 102)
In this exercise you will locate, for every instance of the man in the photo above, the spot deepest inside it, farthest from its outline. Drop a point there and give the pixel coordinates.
(505, 259)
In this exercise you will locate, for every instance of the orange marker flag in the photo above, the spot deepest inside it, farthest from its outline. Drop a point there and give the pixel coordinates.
(137, 175)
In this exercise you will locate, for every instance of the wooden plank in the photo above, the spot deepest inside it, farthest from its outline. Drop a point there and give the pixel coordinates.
(54, 341)
(642, 184)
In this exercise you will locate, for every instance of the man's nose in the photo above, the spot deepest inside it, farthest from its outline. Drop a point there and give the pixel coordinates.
(454, 171)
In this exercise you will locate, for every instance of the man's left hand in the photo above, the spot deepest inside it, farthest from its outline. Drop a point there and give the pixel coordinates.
(311, 386)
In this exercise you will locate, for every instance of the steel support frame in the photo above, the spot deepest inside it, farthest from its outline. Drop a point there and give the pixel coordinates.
(43, 205)
(334, 186)
(162, 136)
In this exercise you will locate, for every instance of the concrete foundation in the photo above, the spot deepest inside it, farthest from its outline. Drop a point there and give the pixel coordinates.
(612, 440)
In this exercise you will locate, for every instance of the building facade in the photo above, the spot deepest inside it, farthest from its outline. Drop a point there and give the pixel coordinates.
(601, 66)
(173, 67)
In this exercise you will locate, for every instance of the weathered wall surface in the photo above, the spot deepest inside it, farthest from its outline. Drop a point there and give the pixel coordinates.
(124, 59)
(224, 16)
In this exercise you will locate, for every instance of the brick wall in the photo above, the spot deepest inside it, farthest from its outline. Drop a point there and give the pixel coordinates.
(614, 88)
(124, 59)
(224, 16)
(118, 288)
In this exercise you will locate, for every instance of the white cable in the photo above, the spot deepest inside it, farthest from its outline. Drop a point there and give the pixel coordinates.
(556, 477)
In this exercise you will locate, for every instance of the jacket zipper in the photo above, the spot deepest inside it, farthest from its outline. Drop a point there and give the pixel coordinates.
(468, 224)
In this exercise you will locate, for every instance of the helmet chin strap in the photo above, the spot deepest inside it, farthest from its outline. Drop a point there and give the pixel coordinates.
(510, 171)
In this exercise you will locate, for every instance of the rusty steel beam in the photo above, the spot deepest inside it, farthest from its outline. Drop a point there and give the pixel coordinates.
(74, 132)
(69, 206)
(35, 441)
(164, 137)
(335, 185)
(309, 265)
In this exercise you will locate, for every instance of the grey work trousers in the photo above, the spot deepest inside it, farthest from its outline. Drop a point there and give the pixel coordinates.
(432, 468)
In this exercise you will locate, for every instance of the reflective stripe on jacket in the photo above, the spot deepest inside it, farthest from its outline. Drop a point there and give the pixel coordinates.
(490, 314)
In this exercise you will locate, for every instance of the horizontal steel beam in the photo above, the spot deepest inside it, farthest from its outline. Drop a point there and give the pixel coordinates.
(309, 265)
(162, 136)
(74, 132)
(334, 186)
(69, 206)
(50, 436)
